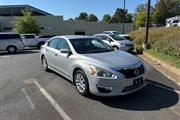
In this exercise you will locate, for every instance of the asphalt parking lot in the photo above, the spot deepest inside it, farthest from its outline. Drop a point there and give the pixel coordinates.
(27, 92)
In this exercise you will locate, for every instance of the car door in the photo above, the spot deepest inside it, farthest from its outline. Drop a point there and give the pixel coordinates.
(62, 59)
(51, 53)
(107, 40)
(3, 42)
(29, 40)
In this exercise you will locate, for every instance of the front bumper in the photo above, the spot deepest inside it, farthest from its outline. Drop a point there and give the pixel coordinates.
(112, 87)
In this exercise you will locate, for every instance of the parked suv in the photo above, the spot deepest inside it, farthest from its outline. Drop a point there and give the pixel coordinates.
(126, 36)
(10, 42)
(43, 39)
(112, 32)
(116, 41)
(29, 40)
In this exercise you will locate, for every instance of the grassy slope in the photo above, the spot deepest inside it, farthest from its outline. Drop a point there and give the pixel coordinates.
(164, 42)
(173, 60)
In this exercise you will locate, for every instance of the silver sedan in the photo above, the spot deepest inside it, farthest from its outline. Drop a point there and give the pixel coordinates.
(93, 66)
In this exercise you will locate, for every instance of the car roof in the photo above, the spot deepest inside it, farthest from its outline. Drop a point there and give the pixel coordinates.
(9, 33)
(76, 36)
(110, 31)
(29, 34)
(103, 34)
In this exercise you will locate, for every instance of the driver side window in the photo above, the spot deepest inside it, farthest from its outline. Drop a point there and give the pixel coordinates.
(103, 37)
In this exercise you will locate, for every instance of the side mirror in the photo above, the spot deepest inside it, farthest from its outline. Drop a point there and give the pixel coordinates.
(66, 51)
(109, 39)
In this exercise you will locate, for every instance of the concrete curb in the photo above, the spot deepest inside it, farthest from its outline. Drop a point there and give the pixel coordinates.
(169, 68)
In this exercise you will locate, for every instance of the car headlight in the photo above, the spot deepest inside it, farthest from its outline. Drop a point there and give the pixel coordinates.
(121, 43)
(96, 71)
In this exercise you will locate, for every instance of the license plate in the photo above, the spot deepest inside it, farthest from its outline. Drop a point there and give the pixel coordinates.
(138, 81)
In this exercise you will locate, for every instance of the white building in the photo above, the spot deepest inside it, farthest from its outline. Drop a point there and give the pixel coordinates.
(56, 25)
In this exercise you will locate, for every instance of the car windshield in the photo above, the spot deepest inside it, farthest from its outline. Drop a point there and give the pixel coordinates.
(116, 37)
(90, 45)
(117, 33)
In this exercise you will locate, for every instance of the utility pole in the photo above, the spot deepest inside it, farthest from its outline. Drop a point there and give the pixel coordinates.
(147, 24)
(124, 15)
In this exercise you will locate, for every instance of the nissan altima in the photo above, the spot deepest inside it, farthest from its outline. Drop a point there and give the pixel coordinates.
(93, 66)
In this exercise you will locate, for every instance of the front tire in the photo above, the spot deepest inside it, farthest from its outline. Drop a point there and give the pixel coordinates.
(45, 64)
(81, 83)
(11, 49)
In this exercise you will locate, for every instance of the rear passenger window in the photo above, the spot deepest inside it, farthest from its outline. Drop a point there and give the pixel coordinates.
(9, 36)
(53, 43)
(28, 36)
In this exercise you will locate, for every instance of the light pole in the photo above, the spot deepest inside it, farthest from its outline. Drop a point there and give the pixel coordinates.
(124, 15)
(147, 24)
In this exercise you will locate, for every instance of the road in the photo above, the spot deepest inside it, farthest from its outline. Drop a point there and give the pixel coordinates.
(27, 92)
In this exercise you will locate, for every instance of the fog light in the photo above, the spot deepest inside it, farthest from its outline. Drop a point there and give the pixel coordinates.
(104, 89)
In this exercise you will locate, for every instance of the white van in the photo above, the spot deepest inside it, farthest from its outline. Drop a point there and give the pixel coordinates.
(10, 42)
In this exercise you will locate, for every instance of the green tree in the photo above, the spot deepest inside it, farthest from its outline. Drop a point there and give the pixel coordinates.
(141, 15)
(175, 9)
(118, 16)
(128, 18)
(26, 24)
(106, 18)
(83, 16)
(140, 19)
(141, 7)
(92, 18)
(76, 18)
(161, 12)
(70, 19)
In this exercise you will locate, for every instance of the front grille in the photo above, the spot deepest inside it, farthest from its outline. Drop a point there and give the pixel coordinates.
(131, 73)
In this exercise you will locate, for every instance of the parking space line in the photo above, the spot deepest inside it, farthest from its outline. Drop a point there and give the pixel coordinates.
(7, 56)
(52, 101)
(28, 99)
(164, 87)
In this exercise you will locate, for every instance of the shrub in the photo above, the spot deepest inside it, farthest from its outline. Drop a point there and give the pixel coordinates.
(163, 40)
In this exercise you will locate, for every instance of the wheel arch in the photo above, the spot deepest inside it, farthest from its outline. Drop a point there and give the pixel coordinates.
(12, 46)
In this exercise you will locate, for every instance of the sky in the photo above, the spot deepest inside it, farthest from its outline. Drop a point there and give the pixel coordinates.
(72, 8)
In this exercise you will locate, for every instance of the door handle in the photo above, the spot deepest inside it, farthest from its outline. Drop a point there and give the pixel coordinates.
(55, 54)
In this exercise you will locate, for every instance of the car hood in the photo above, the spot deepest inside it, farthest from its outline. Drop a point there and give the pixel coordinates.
(126, 42)
(116, 59)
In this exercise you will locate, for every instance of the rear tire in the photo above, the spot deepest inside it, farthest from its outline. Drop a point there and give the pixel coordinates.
(44, 63)
(11, 49)
(81, 83)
